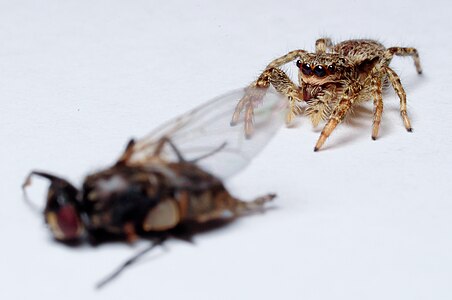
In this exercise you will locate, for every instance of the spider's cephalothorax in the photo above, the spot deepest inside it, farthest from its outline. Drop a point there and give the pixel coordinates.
(335, 78)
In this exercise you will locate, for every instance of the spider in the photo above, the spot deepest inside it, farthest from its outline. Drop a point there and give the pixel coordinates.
(331, 81)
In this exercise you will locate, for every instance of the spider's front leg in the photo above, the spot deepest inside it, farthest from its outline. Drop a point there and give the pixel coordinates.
(337, 116)
(378, 105)
(280, 81)
(323, 44)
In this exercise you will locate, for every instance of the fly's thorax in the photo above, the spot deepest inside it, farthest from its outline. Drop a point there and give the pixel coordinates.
(121, 197)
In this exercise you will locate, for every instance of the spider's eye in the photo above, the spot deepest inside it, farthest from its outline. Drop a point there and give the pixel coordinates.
(331, 68)
(306, 69)
(319, 71)
(298, 63)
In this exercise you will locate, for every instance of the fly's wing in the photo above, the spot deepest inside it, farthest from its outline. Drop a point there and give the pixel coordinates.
(207, 137)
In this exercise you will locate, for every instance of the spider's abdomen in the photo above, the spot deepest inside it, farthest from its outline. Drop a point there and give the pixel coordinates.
(359, 50)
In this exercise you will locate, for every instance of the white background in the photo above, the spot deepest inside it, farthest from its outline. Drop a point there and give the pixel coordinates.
(360, 219)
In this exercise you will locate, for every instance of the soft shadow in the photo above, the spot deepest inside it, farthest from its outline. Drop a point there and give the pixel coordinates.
(184, 232)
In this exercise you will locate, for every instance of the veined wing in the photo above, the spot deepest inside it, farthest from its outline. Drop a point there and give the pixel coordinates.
(206, 137)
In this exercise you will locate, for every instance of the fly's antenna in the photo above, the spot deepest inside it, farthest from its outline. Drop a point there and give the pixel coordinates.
(129, 262)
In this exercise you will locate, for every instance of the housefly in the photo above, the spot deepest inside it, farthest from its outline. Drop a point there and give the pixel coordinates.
(167, 179)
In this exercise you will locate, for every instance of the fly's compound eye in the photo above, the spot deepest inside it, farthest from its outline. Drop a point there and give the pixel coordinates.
(306, 69)
(65, 223)
(62, 212)
(319, 71)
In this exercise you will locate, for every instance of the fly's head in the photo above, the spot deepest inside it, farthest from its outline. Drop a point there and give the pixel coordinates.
(62, 211)
(319, 69)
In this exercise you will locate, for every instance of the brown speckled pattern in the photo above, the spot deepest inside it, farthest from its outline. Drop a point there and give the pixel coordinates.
(338, 76)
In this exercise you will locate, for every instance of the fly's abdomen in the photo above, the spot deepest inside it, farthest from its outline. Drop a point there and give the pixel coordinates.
(209, 205)
(187, 206)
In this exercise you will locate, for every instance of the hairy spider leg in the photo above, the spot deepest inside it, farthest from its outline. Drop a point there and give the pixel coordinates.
(280, 81)
(323, 44)
(337, 116)
(400, 51)
(378, 105)
(397, 85)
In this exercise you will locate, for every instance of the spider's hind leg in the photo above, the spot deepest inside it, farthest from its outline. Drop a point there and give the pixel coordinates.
(400, 51)
(397, 85)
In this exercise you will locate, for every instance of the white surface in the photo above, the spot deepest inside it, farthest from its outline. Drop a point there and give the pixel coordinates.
(358, 220)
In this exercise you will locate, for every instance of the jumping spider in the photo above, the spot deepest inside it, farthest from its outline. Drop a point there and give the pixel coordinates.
(331, 81)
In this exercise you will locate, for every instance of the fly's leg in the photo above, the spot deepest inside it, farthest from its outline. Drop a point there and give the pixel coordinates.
(397, 85)
(271, 75)
(337, 116)
(400, 51)
(156, 242)
(166, 140)
(323, 44)
(132, 146)
(208, 154)
(378, 104)
(54, 180)
(130, 232)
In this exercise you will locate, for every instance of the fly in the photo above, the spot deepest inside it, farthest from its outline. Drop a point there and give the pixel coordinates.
(165, 180)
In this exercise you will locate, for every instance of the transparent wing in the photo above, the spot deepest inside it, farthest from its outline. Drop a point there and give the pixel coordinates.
(206, 136)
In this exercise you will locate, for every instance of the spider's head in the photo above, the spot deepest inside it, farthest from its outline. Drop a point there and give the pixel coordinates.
(318, 69)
